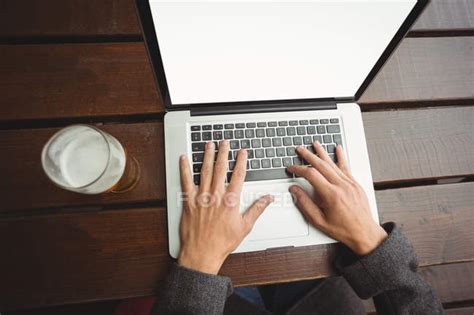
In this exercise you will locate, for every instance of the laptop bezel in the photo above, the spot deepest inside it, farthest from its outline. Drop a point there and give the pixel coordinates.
(145, 20)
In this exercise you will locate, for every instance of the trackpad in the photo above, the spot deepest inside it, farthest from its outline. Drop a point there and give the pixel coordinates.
(281, 219)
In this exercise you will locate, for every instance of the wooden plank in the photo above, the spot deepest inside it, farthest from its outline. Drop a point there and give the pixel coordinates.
(453, 283)
(123, 253)
(67, 18)
(108, 17)
(446, 15)
(25, 185)
(54, 81)
(442, 146)
(460, 311)
(74, 80)
(420, 144)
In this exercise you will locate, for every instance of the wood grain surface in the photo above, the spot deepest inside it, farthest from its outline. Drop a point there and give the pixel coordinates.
(66, 258)
(109, 17)
(404, 145)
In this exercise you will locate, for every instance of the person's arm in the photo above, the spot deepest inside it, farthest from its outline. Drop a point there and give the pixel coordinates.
(211, 228)
(380, 263)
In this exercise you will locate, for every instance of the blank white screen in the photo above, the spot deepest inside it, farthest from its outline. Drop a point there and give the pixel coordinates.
(226, 51)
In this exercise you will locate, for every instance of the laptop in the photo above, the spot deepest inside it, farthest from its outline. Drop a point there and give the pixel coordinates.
(268, 76)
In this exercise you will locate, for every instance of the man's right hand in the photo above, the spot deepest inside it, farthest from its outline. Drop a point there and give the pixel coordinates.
(340, 207)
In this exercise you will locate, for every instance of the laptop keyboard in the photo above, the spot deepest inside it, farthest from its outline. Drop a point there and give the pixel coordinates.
(270, 144)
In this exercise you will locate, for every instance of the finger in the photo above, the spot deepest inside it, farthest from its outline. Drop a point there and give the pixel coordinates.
(341, 161)
(187, 183)
(207, 167)
(221, 166)
(253, 213)
(325, 157)
(322, 162)
(308, 208)
(238, 175)
(313, 176)
(322, 166)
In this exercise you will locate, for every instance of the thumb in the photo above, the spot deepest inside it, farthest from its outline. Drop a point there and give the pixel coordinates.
(308, 208)
(253, 213)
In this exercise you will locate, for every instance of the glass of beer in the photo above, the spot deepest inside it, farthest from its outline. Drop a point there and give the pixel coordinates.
(87, 160)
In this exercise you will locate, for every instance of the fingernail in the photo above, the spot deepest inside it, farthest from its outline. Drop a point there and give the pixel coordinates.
(182, 157)
(225, 143)
(298, 148)
(270, 198)
(210, 145)
(294, 189)
(317, 142)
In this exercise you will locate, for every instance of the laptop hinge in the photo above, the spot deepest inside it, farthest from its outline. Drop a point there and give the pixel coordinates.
(229, 109)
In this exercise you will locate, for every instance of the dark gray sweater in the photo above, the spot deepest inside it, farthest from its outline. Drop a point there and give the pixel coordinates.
(388, 275)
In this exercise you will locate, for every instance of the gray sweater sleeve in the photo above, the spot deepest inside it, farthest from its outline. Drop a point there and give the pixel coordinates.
(186, 291)
(388, 274)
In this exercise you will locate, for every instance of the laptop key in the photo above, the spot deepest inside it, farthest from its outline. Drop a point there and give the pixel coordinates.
(271, 132)
(331, 148)
(276, 162)
(307, 140)
(337, 139)
(276, 142)
(245, 144)
(321, 130)
(261, 124)
(290, 151)
(272, 124)
(297, 141)
(314, 121)
(291, 131)
(217, 135)
(251, 125)
(234, 145)
(250, 154)
(218, 127)
(195, 128)
(195, 136)
(198, 146)
(198, 157)
(207, 136)
(256, 143)
(197, 167)
(280, 152)
(231, 165)
(333, 129)
(282, 123)
(311, 130)
(333, 157)
(249, 133)
(280, 132)
(259, 153)
(240, 125)
(301, 131)
(270, 152)
(197, 179)
(327, 139)
(317, 138)
(229, 126)
(287, 162)
(334, 120)
(297, 161)
(207, 127)
(266, 143)
(239, 134)
(228, 134)
(266, 163)
(303, 122)
(254, 164)
(287, 141)
(293, 123)
(324, 121)
(260, 133)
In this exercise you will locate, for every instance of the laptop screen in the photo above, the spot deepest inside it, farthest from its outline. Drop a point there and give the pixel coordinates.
(236, 51)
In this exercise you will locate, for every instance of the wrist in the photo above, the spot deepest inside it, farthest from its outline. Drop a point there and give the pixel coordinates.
(369, 241)
(206, 264)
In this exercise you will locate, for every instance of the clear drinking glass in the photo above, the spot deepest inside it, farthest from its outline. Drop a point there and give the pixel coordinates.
(86, 160)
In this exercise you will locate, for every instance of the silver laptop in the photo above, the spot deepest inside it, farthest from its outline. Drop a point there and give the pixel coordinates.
(268, 76)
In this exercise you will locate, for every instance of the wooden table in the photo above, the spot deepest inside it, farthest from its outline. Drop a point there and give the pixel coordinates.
(73, 61)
